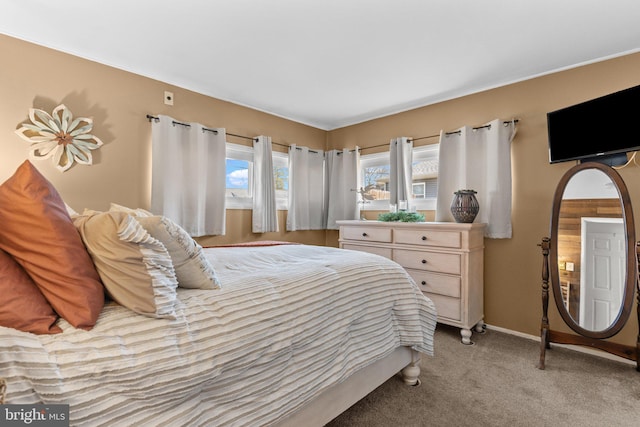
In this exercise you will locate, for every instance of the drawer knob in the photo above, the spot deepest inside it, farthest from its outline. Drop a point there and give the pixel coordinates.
(424, 283)
(424, 261)
(364, 234)
(424, 237)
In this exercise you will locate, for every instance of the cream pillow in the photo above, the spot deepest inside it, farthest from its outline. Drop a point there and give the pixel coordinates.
(114, 207)
(193, 270)
(135, 268)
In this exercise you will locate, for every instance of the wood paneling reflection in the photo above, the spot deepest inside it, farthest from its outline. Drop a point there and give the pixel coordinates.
(569, 240)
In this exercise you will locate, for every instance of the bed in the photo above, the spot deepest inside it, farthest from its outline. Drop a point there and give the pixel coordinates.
(293, 335)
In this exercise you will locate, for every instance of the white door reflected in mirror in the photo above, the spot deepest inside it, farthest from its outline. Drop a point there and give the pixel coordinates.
(603, 272)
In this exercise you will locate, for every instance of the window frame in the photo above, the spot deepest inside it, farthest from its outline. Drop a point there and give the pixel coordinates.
(240, 152)
(424, 189)
(243, 152)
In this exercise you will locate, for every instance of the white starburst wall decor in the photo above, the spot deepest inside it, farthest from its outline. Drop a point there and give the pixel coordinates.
(60, 136)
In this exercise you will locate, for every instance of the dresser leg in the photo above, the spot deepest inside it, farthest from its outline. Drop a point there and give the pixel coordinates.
(480, 327)
(466, 336)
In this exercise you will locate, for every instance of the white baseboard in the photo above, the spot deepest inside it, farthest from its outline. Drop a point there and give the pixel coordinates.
(579, 348)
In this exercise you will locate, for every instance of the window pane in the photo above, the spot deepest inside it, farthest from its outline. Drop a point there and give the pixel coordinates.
(418, 190)
(424, 175)
(238, 178)
(281, 178)
(431, 188)
(375, 180)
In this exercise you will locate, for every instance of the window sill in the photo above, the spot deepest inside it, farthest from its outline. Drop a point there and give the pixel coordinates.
(420, 205)
(236, 203)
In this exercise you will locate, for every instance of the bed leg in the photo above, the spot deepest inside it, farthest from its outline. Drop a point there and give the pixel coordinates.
(411, 372)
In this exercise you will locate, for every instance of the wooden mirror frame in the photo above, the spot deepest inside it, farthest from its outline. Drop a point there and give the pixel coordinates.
(549, 246)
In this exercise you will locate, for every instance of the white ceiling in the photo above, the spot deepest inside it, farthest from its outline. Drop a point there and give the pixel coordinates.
(332, 63)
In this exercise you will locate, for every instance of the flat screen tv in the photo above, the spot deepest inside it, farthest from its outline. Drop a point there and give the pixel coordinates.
(597, 130)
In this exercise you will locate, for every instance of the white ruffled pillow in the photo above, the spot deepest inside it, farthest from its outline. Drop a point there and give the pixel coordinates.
(192, 268)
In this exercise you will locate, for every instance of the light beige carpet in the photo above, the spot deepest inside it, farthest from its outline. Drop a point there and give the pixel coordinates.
(495, 382)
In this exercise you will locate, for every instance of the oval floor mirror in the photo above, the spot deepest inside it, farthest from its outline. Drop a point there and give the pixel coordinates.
(591, 260)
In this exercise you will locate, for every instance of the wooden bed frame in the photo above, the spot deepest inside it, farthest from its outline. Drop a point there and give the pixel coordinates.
(340, 397)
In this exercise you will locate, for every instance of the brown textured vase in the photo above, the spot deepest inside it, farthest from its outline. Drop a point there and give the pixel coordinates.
(465, 206)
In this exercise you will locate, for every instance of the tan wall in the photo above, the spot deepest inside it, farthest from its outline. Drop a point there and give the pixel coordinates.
(33, 76)
(118, 101)
(513, 266)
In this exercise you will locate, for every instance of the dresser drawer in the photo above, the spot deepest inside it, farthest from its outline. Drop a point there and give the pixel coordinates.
(385, 252)
(436, 283)
(447, 307)
(430, 261)
(367, 234)
(443, 239)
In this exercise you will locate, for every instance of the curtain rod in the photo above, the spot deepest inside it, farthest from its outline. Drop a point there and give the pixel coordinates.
(256, 139)
(174, 122)
(274, 143)
(455, 132)
(408, 139)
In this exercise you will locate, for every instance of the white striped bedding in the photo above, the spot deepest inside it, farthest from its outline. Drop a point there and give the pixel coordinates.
(289, 322)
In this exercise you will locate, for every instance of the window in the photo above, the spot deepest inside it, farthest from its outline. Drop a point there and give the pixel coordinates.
(374, 193)
(239, 187)
(375, 179)
(377, 176)
(418, 190)
(239, 180)
(281, 179)
(424, 176)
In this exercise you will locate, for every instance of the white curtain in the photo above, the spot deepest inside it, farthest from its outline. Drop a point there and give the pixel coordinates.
(306, 189)
(401, 158)
(341, 184)
(188, 175)
(265, 214)
(478, 160)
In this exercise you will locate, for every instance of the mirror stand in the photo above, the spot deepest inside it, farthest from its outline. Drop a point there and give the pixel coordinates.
(548, 336)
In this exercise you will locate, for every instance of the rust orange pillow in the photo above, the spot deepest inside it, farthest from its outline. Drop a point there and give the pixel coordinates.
(37, 231)
(22, 305)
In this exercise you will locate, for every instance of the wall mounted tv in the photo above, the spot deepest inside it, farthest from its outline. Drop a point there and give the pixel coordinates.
(596, 130)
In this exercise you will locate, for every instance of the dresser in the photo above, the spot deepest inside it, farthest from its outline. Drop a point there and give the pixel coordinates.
(445, 259)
